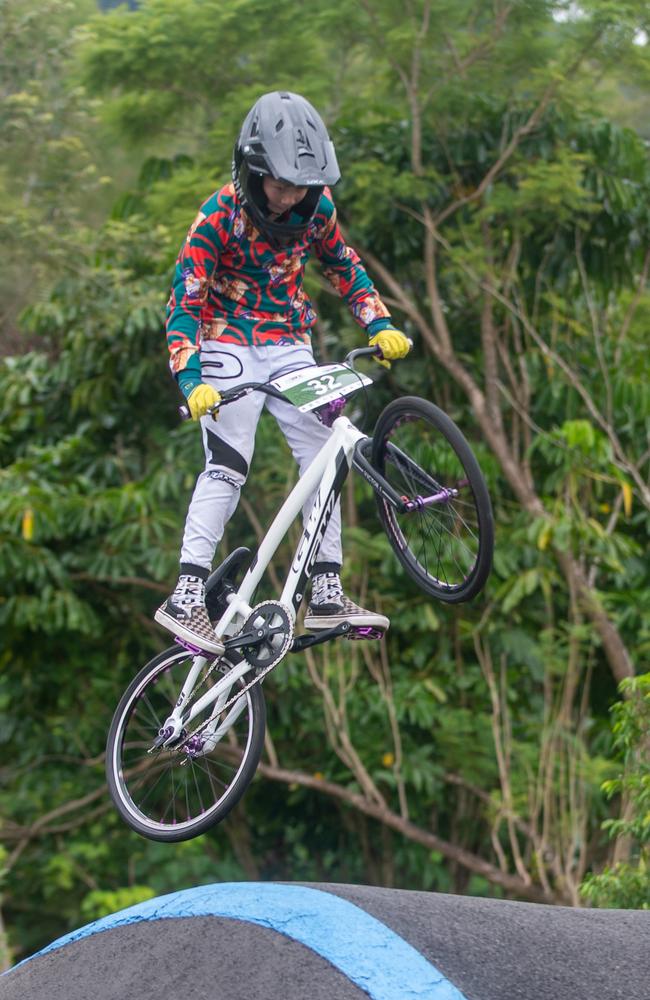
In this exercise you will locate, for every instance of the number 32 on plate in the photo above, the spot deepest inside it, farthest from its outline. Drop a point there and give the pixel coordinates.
(323, 384)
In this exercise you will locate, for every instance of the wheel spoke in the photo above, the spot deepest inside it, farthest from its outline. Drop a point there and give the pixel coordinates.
(172, 795)
(439, 542)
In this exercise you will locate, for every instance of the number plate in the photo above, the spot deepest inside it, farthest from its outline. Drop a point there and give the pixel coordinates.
(317, 385)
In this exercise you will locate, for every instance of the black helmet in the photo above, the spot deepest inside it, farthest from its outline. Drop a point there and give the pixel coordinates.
(283, 137)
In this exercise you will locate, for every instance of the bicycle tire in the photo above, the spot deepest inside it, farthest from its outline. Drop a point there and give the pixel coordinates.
(412, 433)
(128, 765)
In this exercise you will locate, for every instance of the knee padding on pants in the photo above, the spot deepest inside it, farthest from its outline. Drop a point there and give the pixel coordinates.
(223, 454)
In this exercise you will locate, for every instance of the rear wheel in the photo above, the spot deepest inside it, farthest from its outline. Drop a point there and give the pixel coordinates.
(446, 539)
(172, 794)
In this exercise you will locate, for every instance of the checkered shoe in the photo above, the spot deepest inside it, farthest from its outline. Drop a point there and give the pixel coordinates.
(328, 615)
(185, 615)
(329, 607)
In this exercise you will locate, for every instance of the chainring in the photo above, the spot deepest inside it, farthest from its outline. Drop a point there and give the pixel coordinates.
(276, 620)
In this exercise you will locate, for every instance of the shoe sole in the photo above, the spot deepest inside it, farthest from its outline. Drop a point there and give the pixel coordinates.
(184, 633)
(317, 622)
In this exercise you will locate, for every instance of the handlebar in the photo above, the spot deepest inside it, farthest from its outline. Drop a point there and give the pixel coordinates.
(230, 395)
(360, 352)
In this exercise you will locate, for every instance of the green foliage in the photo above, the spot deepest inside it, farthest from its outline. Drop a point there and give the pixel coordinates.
(627, 884)
(54, 178)
(223, 53)
(101, 903)
(487, 724)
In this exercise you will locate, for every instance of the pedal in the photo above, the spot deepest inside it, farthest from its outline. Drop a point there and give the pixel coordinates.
(191, 647)
(365, 632)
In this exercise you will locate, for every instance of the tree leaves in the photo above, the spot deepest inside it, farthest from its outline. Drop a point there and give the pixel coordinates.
(486, 723)
(627, 884)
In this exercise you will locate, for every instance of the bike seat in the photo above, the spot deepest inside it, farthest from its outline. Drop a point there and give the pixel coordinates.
(221, 581)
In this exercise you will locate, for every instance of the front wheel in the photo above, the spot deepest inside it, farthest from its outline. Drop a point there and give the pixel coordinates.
(171, 794)
(445, 539)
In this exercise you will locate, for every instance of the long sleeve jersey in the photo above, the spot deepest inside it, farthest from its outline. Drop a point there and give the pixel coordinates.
(231, 285)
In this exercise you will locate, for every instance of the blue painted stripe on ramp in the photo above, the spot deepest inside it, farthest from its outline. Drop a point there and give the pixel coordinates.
(371, 955)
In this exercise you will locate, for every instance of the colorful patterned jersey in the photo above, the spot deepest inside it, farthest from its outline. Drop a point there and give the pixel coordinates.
(231, 285)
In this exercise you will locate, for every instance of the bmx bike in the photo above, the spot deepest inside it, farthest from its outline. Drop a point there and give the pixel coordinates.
(188, 733)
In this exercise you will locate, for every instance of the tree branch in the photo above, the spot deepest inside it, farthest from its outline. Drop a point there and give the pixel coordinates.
(528, 126)
(625, 326)
(409, 830)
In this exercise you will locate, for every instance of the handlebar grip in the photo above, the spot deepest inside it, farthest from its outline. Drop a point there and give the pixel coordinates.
(185, 414)
(368, 352)
(380, 354)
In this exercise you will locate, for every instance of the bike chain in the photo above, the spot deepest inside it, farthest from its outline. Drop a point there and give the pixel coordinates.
(258, 677)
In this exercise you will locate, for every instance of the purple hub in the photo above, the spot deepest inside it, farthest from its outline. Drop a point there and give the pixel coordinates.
(419, 503)
(193, 746)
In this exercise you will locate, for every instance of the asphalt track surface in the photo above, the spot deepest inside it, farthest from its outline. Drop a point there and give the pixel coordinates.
(257, 941)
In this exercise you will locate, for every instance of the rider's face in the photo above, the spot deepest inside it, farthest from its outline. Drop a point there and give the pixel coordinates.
(281, 195)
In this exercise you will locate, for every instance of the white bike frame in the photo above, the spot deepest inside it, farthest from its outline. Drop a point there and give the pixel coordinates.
(326, 474)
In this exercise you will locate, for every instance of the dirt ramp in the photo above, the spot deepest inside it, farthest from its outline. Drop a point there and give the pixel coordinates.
(261, 941)
(500, 950)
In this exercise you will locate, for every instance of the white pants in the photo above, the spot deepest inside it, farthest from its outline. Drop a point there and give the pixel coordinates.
(229, 443)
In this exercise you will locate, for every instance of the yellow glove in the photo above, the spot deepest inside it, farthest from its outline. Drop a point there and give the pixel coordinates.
(201, 399)
(393, 344)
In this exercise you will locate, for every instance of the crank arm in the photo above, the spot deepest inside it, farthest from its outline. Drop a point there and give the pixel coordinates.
(305, 641)
(254, 638)
(246, 639)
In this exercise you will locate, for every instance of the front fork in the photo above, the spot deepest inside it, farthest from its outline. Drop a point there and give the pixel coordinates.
(180, 718)
(403, 505)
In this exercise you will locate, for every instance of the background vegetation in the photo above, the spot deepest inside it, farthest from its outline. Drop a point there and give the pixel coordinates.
(496, 181)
